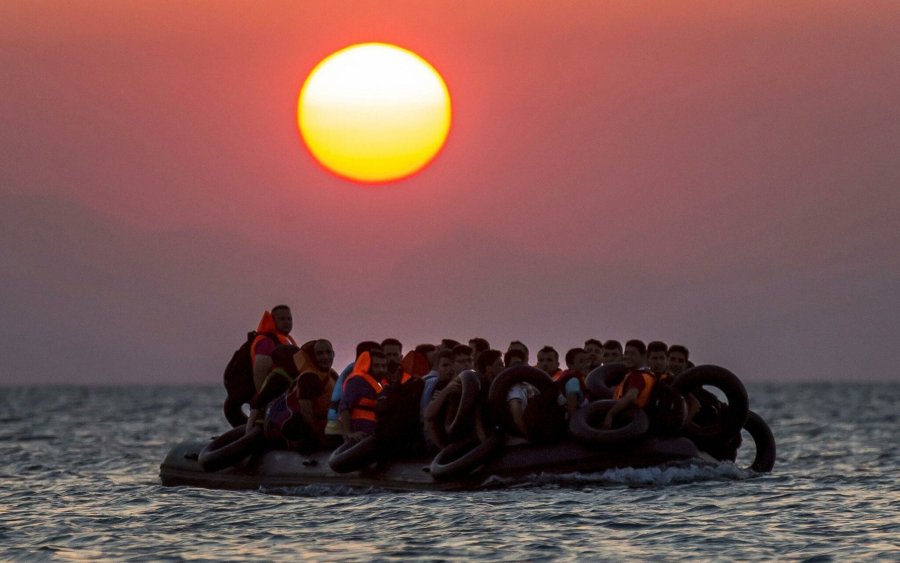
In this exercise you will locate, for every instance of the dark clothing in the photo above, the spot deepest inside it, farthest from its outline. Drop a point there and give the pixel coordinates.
(399, 427)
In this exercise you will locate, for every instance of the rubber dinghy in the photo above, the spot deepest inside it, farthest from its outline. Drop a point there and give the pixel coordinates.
(241, 460)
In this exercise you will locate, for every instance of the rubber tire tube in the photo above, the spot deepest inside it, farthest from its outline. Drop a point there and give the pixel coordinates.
(503, 383)
(436, 416)
(762, 436)
(614, 374)
(353, 457)
(234, 412)
(582, 429)
(459, 459)
(462, 422)
(231, 448)
(733, 416)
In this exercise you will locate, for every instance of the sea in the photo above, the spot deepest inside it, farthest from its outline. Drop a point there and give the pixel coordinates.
(79, 479)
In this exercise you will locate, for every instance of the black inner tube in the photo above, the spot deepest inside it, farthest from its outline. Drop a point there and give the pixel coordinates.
(353, 456)
(731, 417)
(764, 460)
(231, 448)
(462, 458)
(585, 422)
(503, 383)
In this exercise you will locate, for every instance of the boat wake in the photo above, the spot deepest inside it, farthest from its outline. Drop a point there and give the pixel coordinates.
(632, 477)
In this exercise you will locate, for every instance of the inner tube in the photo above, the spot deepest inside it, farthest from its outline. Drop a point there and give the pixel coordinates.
(462, 422)
(231, 448)
(234, 411)
(731, 418)
(762, 436)
(586, 419)
(503, 383)
(462, 458)
(436, 413)
(596, 381)
(353, 456)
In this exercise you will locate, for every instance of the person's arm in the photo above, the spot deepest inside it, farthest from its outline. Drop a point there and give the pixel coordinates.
(261, 367)
(572, 403)
(621, 405)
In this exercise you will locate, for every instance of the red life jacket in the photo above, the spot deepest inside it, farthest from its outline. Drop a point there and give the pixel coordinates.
(644, 395)
(365, 408)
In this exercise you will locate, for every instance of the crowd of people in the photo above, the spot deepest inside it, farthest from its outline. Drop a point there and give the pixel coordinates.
(304, 403)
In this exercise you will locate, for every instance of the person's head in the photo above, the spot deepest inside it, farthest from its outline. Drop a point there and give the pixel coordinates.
(513, 358)
(323, 354)
(379, 364)
(429, 351)
(612, 352)
(657, 353)
(594, 350)
(479, 345)
(366, 346)
(548, 360)
(284, 322)
(489, 363)
(449, 343)
(462, 358)
(392, 349)
(578, 359)
(520, 346)
(633, 356)
(444, 365)
(678, 358)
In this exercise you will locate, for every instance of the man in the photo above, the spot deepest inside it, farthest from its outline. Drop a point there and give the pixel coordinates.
(657, 358)
(594, 349)
(462, 358)
(360, 396)
(443, 371)
(548, 360)
(478, 345)
(520, 347)
(634, 355)
(393, 351)
(677, 359)
(612, 352)
(333, 430)
(279, 324)
(570, 383)
(514, 358)
(399, 424)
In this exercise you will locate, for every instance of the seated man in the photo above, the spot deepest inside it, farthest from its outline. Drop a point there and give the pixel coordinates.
(612, 352)
(520, 347)
(393, 351)
(333, 431)
(548, 360)
(281, 376)
(298, 417)
(634, 392)
(514, 357)
(634, 355)
(278, 323)
(399, 424)
(463, 358)
(360, 396)
(594, 349)
(443, 373)
(677, 359)
(657, 359)
(570, 383)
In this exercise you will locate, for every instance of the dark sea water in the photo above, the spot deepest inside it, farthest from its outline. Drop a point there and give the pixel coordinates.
(79, 480)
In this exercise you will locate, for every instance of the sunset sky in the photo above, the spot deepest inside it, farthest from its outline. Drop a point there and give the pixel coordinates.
(724, 175)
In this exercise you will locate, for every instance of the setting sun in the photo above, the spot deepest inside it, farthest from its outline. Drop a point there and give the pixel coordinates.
(374, 112)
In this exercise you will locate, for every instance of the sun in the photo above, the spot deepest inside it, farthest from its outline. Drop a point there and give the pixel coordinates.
(374, 113)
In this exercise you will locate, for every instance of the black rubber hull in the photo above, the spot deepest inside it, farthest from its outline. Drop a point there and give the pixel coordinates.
(283, 468)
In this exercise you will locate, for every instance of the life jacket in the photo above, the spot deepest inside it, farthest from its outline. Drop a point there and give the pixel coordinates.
(265, 330)
(365, 408)
(645, 394)
(305, 364)
(403, 379)
(562, 378)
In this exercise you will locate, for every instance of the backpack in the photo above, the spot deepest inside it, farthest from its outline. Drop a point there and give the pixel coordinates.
(238, 376)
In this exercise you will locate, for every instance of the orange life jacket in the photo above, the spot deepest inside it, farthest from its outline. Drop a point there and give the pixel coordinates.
(561, 378)
(644, 396)
(365, 408)
(305, 364)
(267, 325)
(403, 379)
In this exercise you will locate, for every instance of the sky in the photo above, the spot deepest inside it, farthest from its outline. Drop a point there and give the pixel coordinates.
(723, 175)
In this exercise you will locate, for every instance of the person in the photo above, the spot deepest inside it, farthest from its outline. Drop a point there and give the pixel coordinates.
(478, 345)
(281, 376)
(278, 323)
(399, 423)
(298, 417)
(519, 346)
(612, 352)
(657, 359)
(570, 383)
(548, 360)
(594, 349)
(334, 433)
(360, 396)
(634, 355)
(443, 373)
(633, 392)
(514, 357)
(393, 351)
(677, 359)
(463, 358)
(488, 364)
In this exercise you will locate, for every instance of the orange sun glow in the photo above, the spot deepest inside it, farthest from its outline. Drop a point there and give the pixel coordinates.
(374, 112)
